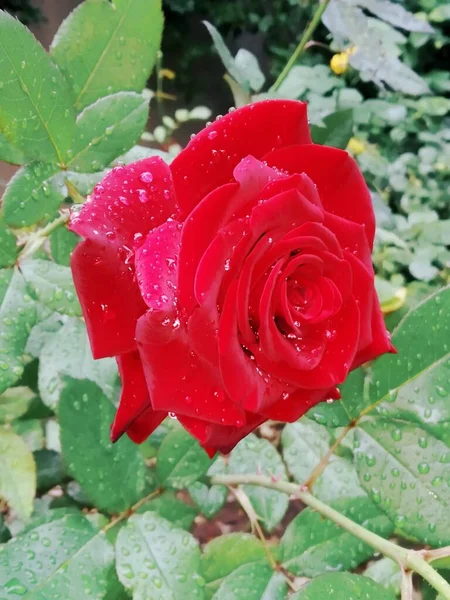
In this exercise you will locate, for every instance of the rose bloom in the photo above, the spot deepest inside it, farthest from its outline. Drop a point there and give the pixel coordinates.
(235, 285)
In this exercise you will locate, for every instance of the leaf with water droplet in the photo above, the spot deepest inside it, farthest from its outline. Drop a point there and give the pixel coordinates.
(387, 573)
(17, 474)
(85, 415)
(67, 352)
(66, 558)
(343, 586)
(117, 54)
(210, 499)
(406, 478)
(33, 119)
(30, 195)
(226, 553)
(8, 246)
(305, 443)
(52, 285)
(312, 545)
(62, 243)
(168, 506)
(181, 460)
(156, 560)
(257, 455)
(106, 129)
(14, 402)
(18, 314)
(254, 581)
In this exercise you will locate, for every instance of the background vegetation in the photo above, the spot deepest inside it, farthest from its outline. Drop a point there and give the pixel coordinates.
(83, 519)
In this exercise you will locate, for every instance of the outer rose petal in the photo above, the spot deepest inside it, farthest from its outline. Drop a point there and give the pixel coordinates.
(341, 185)
(178, 380)
(293, 406)
(208, 160)
(130, 201)
(134, 400)
(381, 340)
(220, 438)
(109, 297)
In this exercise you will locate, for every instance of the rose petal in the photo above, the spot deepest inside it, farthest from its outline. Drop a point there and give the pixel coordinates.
(292, 406)
(156, 265)
(220, 438)
(128, 203)
(144, 425)
(341, 185)
(212, 214)
(208, 160)
(109, 297)
(179, 381)
(134, 399)
(381, 340)
(342, 343)
(352, 238)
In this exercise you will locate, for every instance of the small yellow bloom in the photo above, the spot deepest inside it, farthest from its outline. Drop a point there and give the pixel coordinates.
(355, 146)
(394, 303)
(339, 63)
(167, 73)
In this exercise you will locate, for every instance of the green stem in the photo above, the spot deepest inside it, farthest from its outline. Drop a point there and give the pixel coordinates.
(301, 45)
(407, 559)
(36, 240)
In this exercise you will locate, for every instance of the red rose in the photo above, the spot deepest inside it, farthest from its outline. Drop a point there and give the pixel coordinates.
(234, 285)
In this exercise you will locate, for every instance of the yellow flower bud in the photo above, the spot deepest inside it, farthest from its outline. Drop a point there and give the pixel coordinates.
(355, 146)
(339, 63)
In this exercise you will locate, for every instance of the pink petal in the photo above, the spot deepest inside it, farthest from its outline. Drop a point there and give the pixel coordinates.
(209, 159)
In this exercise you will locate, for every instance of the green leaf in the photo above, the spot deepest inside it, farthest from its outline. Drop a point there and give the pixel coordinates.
(421, 339)
(255, 455)
(107, 129)
(248, 65)
(210, 499)
(113, 476)
(5, 534)
(8, 246)
(105, 47)
(437, 106)
(62, 243)
(10, 154)
(14, 403)
(225, 55)
(387, 573)
(67, 352)
(337, 129)
(52, 285)
(305, 443)
(330, 414)
(49, 468)
(405, 472)
(253, 582)
(36, 112)
(168, 506)
(181, 460)
(66, 558)
(343, 586)
(312, 545)
(226, 553)
(17, 317)
(17, 474)
(396, 15)
(30, 196)
(158, 561)
(5, 278)
(31, 431)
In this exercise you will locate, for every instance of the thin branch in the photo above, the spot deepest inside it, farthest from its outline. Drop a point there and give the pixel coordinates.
(126, 514)
(309, 31)
(409, 560)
